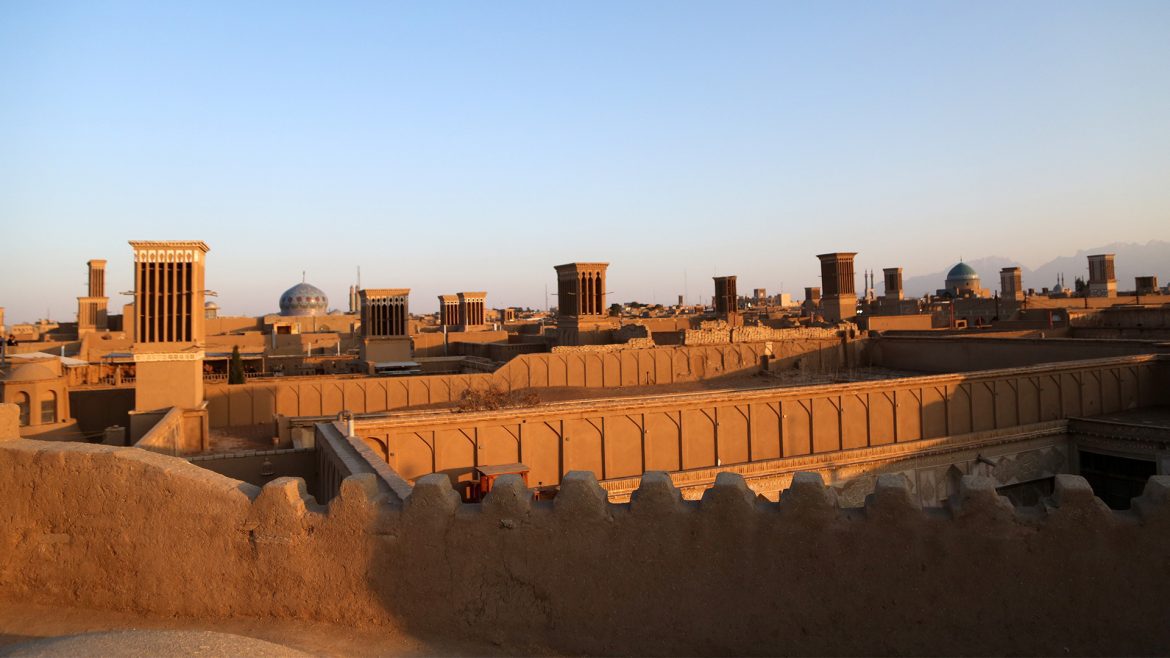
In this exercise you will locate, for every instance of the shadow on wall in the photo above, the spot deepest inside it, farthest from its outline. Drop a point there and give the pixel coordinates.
(964, 354)
(730, 575)
(97, 409)
(621, 438)
(727, 575)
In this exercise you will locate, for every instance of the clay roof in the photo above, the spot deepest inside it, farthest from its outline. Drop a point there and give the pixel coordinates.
(29, 372)
(67, 361)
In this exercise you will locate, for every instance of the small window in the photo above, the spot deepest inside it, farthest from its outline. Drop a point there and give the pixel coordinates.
(22, 404)
(49, 408)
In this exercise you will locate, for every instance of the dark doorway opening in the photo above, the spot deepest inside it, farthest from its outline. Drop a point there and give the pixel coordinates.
(1116, 480)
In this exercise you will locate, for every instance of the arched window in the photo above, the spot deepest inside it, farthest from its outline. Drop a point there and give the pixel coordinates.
(22, 403)
(49, 408)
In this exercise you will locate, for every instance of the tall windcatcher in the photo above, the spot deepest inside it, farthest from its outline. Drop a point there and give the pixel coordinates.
(93, 308)
(582, 316)
(1102, 277)
(169, 337)
(726, 299)
(839, 294)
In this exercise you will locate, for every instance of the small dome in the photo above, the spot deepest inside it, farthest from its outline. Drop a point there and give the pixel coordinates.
(304, 299)
(211, 305)
(32, 371)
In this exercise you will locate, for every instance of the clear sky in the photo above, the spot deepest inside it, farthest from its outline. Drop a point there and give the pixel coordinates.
(472, 146)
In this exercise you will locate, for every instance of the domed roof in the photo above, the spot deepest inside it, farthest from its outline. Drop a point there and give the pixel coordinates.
(962, 272)
(303, 299)
(32, 371)
(211, 305)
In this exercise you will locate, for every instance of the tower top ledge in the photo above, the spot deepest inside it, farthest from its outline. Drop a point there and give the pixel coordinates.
(170, 244)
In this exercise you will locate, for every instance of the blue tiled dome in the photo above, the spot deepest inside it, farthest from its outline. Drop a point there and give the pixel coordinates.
(962, 278)
(304, 299)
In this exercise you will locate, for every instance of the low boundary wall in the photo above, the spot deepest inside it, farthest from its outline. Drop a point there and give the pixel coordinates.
(340, 456)
(258, 402)
(967, 353)
(125, 529)
(624, 437)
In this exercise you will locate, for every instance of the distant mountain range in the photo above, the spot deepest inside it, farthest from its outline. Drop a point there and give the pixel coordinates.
(1132, 260)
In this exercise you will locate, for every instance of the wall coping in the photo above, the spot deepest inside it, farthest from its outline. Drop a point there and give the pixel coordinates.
(247, 453)
(599, 406)
(360, 458)
(919, 448)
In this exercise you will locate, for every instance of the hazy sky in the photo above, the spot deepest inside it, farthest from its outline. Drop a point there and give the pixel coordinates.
(449, 146)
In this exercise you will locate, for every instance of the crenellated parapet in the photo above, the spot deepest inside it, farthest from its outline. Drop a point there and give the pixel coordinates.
(730, 573)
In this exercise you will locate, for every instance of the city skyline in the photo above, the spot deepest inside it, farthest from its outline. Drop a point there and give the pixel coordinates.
(455, 147)
(258, 301)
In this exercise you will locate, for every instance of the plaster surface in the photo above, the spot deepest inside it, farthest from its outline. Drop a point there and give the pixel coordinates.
(121, 529)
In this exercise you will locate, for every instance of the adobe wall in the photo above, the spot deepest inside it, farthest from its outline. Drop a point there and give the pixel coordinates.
(932, 468)
(665, 325)
(719, 332)
(250, 466)
(99, 408)
(129, 530)
(435, 343)
(818, 354)
(226, 324)
(1157, 317)
(629, 343)
(176, 432)
(964, 354)
(624, 437)
(916, 321)
(498, 352)
(1124, 322)
(258, 401)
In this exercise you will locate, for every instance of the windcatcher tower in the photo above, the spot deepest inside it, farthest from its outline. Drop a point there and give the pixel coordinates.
(93, 308)
(385, 325)
(839, 300)
(1011, 284)
(169, 338)
(1146, 285)
(812, 302)
(1102, 277)
(727, 300)
(893, 283)
(472, 306)
(582, 316)
(449, 311)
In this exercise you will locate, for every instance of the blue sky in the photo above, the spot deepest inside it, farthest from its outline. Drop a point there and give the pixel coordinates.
(472, 146)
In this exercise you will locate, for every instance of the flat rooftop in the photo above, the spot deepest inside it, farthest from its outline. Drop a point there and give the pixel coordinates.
(1157, 417)
(736, 382)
